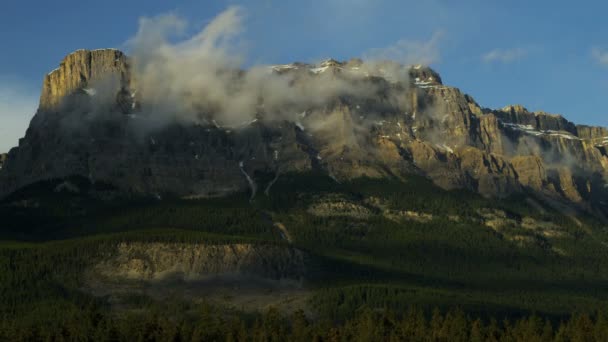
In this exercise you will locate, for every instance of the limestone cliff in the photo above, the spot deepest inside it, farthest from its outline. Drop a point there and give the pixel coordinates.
(400, 126)
(591, 132)
(517, 114)
(80, 70)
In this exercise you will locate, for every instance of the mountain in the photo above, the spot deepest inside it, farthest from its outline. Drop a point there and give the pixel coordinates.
(376, 120)
(298, 201)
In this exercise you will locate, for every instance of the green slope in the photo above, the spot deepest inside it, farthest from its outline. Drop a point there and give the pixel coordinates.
(448, 258)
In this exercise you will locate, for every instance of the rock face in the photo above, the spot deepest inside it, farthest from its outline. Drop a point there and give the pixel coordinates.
(3, 157)
(409, 123)
(591, 132)
(80, 71)
(160, 261)
(517, 114)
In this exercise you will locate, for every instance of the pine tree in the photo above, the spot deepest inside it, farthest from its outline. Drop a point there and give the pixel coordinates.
(477, 331)
(547, 333)
(581, 328)
(435, 325)
(300, 329)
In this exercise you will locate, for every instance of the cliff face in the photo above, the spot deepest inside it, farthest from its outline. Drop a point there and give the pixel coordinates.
(403, 126)
(518, 115)
(158, 261)
(79, 71)
(591, 132)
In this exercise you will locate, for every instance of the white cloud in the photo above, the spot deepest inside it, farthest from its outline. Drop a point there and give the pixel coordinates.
(410, 52)
(199, 78)
(18, 104)
(504, 55)
(600, 56)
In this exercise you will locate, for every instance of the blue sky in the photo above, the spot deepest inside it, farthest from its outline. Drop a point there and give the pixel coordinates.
(546, 55)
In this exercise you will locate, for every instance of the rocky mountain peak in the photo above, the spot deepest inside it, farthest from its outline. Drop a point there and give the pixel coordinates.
(424, 74)
(419, 75)
(517, 116)
(515, 109)
(81, 69)
(331, 62)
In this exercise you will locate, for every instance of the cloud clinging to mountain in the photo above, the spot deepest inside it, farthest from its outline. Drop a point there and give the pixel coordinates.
(201, 77)
(409, 51)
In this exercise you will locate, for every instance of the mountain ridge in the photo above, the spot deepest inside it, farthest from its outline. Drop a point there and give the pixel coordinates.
(377, 119)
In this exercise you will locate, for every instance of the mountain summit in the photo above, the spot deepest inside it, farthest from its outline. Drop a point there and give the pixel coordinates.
(101, 118)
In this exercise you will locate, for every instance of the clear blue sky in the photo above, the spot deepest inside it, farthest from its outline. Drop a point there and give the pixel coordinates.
(546, 55)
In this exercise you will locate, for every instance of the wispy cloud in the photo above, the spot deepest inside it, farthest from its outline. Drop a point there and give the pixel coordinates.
(600, 56)
(18, 103)
(199, 78)
(504, 55)
(409, 51)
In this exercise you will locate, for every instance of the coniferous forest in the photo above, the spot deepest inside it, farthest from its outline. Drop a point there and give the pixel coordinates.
(384, 260)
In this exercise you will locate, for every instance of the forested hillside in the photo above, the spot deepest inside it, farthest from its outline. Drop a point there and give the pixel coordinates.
(390, 258)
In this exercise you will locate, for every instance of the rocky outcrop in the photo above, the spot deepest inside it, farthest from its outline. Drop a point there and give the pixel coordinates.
(336, 205)
(490, 134)
(83, 70)
(3, 157)
(399, 126)
(424, 75)
(566, 184)
(517, 114)
(493, 173)
(160, 261)
(598, 134)
(530, 171)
